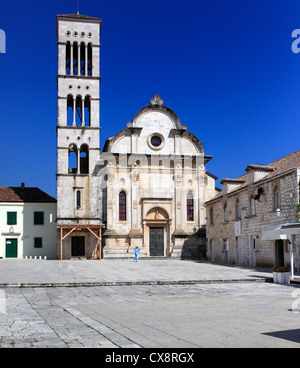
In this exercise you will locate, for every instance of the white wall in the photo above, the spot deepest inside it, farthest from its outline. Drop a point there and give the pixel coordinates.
(11, 231)
(25, 231)
(47, 231)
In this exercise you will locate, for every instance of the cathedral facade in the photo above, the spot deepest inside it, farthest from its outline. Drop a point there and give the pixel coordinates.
(148, 185)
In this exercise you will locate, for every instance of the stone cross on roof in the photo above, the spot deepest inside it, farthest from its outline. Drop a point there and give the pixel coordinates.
(156, 100)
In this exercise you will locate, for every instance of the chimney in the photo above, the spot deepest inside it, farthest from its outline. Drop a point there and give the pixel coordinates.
(22, 185)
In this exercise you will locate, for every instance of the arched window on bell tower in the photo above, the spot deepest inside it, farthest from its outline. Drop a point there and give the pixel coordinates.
(68, 58)
(70, 106)
(72, 165)
(84, 159)
(89, 60)
(82, 59)
(76, 52)
(78, 114)
(87, 111)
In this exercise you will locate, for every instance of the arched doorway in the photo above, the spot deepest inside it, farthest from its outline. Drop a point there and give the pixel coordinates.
(156, 232)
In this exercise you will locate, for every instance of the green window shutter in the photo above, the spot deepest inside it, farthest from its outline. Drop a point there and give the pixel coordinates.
(38, 242)
(11, 218)
(38, 218)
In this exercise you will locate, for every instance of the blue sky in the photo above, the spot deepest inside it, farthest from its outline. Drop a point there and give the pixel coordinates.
(224, 66)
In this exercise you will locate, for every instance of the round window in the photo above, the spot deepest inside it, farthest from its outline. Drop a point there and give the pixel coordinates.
(156, 141)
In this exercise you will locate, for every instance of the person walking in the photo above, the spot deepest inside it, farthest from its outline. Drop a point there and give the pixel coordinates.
(137, 253)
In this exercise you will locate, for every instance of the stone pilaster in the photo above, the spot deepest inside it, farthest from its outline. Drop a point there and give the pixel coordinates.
(110, 197)
(178, 199)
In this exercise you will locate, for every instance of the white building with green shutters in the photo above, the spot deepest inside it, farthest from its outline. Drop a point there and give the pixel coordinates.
(27, 223)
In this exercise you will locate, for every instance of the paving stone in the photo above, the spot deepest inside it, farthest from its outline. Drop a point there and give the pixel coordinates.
(243, 314)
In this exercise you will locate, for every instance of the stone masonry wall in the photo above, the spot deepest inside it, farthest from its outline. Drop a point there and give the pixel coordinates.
(239, 233)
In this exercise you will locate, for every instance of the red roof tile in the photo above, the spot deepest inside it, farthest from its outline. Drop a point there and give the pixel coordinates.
(276, 168)
(26, 195)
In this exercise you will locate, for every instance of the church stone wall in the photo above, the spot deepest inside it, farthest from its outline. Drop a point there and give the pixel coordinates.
(156, 178)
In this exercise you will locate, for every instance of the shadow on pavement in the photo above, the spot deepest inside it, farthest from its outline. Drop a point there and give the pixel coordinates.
(291, 335)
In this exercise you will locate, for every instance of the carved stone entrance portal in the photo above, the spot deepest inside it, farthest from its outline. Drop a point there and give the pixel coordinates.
(157, 232)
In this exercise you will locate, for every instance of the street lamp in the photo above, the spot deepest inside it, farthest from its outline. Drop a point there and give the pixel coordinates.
(278, 212)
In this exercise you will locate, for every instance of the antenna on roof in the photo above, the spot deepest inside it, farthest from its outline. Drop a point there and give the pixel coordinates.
(77, 6)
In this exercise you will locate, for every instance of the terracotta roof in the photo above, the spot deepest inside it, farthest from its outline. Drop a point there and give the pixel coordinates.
(226, 180)
(26, 195)
(275, 168)
(259, 168)
(286, 163)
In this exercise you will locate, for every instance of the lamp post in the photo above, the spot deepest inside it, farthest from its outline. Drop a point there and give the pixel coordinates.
(291, 240)
(278, 210)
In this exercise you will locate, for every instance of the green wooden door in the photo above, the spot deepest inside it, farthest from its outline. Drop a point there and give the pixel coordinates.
(156, 241)
(11, 248)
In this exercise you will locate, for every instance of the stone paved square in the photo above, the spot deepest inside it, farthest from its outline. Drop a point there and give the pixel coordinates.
(224, 313)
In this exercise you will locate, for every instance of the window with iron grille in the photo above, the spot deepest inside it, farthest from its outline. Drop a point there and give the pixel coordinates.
(190, 207)
(122, 206)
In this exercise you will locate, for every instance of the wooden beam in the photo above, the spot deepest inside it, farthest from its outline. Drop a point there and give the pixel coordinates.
(100, 243)
(61, 242)
(75, 228)
(93, 233)
(98, 246)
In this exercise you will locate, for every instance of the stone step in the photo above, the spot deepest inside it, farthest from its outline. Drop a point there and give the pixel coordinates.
(121, 252)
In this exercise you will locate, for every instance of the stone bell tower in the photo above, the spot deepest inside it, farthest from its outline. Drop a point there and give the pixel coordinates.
(78, 136)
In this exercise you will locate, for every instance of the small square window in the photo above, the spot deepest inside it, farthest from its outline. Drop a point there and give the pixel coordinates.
(38, 242)
(38, 218)
(11, 218)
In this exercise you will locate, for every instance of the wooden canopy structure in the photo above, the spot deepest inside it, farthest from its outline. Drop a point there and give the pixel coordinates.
(95, 230)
